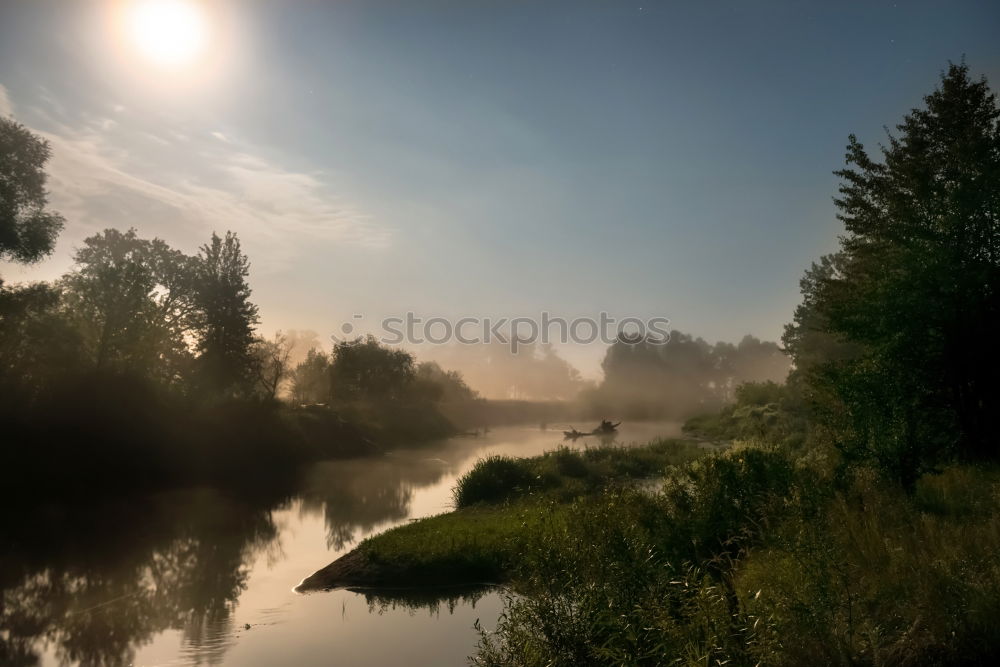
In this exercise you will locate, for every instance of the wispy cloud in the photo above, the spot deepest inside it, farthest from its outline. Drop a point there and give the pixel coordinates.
(161, 178)
(6, 108)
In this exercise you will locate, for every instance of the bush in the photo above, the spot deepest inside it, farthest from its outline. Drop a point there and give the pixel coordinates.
(493, 479)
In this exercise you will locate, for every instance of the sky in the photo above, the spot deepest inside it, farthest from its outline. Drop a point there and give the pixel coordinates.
(645, 159)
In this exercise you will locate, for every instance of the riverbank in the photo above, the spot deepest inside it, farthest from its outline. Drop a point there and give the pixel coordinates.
(500, 501)
(748, 555)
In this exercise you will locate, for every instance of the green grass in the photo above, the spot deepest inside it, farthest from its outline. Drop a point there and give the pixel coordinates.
(749, 556)
(475, 545)
(502, 502)
(567, 473)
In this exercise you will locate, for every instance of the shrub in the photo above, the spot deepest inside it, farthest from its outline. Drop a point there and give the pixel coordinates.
(493, 479)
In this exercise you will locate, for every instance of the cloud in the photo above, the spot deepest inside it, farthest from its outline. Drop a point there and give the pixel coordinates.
(6, 108)
(162, 179)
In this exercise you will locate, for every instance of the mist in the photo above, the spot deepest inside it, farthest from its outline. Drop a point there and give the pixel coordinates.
(418, 332)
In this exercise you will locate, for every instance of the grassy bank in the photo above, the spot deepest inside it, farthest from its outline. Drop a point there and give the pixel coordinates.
(744, 557)
(499, 502)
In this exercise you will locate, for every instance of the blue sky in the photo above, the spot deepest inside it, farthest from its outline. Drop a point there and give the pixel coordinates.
(495, 158)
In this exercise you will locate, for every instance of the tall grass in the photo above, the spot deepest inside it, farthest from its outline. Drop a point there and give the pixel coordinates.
(568, 472)
(748, 558)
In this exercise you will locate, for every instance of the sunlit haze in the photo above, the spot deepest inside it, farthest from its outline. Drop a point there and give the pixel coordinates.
(656, 160)
(499, 332)
(170, 33)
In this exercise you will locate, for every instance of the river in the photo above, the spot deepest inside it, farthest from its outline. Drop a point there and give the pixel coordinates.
(201, 577)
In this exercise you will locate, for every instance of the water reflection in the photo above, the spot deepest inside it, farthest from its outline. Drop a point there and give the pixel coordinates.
(177, 577)
(89, 585)
(357, 497)
(413, 600)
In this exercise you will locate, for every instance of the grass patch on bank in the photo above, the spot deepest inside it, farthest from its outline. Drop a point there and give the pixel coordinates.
(475, 545)
(746, 556)
(500, 502)
(566, 473)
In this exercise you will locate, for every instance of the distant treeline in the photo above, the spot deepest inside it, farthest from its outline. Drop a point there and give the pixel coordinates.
(143, 366)
(646, 379)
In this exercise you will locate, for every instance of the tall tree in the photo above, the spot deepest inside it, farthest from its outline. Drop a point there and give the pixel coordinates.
(132, 300)
(27, 229)
(225, 317)
(914, 294)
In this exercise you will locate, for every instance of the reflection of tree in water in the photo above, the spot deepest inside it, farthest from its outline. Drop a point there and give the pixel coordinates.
(415, 599)
(358, 496)
(98, 584)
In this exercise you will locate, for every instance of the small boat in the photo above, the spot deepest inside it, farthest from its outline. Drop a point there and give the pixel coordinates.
(606, 428)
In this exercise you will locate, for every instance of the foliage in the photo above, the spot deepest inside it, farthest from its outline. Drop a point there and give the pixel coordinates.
(493, 479)
(645, 378)
(762, 410)
(311, 379)
(566, 473)
(892, 329)
(28, 230)
(38, 344)
(224, 317)
(271, 364)
(132, 301)
(749, 559)
(364, 369)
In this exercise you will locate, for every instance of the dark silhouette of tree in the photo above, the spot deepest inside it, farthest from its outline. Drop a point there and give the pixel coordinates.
(27, 230)
(132, 300)
(225, 317)
(39, 345)
(362, 369)
(441, 385)
(311, 379)
(898, 331)
(271, 364)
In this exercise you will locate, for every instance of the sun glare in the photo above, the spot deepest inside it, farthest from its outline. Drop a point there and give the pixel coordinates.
(169, 33)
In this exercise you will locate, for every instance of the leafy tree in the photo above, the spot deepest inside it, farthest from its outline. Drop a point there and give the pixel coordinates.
(441, 385)
(363, 369)
(132, 300)
(38, 344)
(225, 318)
(898, 331)
(27, 230)
(311, 379)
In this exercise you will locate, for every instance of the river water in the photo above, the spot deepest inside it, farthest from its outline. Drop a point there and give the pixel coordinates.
(201, 577)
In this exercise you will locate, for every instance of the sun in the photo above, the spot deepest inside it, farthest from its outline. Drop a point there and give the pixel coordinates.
(169, 33)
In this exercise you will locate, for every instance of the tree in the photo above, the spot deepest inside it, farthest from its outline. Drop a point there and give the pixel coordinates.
(39, 345)
(909, 309)
(271, 363)
(311, 379)
(132, 300)
(225, 317)
(443, 386)
(364, 370)
(27, 230)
